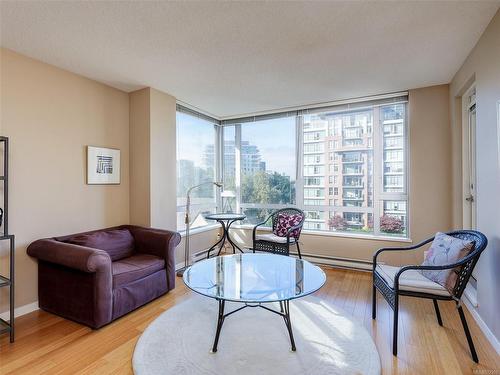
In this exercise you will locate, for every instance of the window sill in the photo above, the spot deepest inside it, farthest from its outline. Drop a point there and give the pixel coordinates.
(334, 234)
(206, 228)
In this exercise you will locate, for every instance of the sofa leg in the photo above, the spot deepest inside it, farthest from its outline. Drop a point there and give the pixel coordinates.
(374, 302)
(395, 327)
(438, 314)
(467, 334)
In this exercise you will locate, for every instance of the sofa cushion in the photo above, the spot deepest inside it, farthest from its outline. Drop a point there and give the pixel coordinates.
(411, 280)
(118, 243)
(271, 237)
(134, 268)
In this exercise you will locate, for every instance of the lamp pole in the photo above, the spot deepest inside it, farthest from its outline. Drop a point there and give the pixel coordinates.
(187, 221)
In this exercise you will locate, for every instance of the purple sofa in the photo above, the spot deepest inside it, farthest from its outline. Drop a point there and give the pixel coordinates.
(96, 277)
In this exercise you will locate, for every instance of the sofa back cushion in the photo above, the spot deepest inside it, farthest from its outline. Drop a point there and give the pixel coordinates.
(118, 243)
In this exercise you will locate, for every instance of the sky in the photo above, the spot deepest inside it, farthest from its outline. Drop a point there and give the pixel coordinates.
(274, 138)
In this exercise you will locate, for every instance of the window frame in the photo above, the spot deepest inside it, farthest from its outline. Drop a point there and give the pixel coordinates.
(379, 196)
(217, 165)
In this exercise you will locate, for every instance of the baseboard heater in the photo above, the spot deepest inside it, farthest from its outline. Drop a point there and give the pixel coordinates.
(321, 260)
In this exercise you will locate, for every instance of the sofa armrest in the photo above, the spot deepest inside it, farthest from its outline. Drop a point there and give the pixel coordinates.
(157, 242)
(81, 258)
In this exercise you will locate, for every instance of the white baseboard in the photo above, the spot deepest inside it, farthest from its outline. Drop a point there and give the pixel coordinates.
(471, 294)
(347, 263)
(482, 325)
(21, 310)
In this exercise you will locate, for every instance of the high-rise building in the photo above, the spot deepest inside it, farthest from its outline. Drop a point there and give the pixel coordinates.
(251, 160)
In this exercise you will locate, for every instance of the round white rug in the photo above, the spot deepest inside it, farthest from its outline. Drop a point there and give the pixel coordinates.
(255, 341)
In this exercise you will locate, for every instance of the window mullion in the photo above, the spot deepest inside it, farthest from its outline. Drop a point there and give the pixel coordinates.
(299, 160)
(377, 169)
(219, 163)
(237, 163)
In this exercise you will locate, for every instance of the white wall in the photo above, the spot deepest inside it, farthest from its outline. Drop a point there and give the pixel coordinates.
(483, 63)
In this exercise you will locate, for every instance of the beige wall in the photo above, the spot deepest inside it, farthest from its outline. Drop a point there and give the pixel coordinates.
(153, 159)
(163, 160)
(50, 115)
(430, 184)
(482, 66)
(140, 197)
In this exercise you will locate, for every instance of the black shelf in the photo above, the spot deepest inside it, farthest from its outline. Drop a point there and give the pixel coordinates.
(7, 326)
(4, 326)
(4, 281)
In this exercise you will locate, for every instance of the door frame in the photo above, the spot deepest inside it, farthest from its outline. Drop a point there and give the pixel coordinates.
(469, 213)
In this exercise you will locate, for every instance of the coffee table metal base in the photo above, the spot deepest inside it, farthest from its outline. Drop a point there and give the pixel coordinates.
(284, 313)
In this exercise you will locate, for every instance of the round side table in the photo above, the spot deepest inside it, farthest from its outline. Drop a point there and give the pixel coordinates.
(226, 220)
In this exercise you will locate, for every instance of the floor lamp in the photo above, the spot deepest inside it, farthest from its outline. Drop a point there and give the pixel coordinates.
(187, 221)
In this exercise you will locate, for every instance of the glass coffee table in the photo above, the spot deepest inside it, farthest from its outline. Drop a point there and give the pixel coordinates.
(254, 280)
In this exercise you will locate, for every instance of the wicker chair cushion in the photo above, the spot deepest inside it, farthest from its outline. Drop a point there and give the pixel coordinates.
(271, 237)
(411, 280)
(285, 222)
(445, 250)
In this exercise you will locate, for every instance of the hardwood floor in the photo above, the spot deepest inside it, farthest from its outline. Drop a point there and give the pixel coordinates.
(47, 344)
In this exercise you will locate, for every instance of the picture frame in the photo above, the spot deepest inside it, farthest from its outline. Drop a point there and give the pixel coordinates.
(103, 166)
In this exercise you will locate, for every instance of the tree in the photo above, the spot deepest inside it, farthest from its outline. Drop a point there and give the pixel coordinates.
(266, 188)
(337, 222)
(391, 224)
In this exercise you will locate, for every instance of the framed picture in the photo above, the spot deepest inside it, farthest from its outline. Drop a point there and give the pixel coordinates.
(103, 166)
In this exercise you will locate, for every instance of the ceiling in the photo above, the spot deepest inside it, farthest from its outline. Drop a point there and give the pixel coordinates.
(233, 58)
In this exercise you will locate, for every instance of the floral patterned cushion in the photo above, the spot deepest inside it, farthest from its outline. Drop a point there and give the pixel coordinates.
(445, 250)
(285, 222)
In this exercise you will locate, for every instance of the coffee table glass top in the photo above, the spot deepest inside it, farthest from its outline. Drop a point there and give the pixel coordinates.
(254, 278)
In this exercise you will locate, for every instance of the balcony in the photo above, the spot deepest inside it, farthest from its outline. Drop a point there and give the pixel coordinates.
(314, 139)
(353, 198)
(352, 161)
(351, 185)
(353, 172)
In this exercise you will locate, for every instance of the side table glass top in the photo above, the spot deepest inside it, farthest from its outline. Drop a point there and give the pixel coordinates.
(225, 216)
(254, 278)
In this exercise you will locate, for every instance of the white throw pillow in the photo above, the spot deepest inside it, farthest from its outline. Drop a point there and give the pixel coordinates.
(445, 250)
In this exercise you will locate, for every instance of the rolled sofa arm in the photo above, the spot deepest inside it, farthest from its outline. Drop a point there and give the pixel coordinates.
(81, 258)
(152, 241)
(157, 242)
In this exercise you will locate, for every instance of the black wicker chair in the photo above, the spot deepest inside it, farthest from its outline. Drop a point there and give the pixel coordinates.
(392, 292)
(274, 244)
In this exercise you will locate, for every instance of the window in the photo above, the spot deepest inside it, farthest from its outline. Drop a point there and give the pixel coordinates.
(314, 181)
(196, 158)
(268, 167)
(314, 136)
(350, 164)
(314, 147)
(358, 134)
